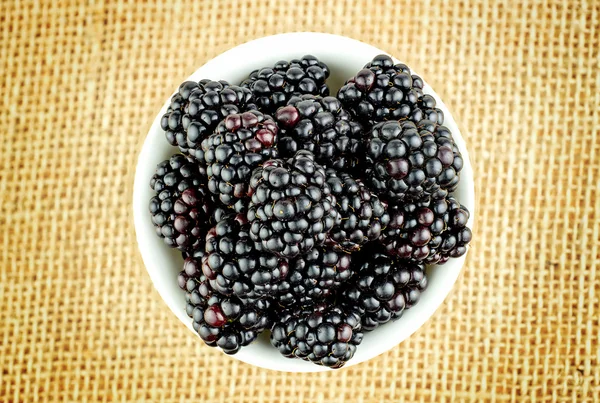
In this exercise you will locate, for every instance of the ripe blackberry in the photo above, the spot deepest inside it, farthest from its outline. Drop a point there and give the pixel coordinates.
(324, 335)
(428, 232)
(315, 276)
(384, 91)
(240, 143)
(235, 267)
(406, 163)
(383, 288)
(182, 204)
(321, 126)
(272, 87)
(221, 321)
(291, 209)
(363, 215)
(197, 108)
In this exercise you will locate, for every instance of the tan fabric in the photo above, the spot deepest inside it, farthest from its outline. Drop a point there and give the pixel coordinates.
(81, 83)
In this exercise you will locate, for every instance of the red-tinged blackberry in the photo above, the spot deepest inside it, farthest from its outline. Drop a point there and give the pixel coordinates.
(182, 204)
(291, 209)
(315, 276)
(383, 288)
(197, 108)
(384, 91)
(406, 163)
(321, 126)
(241, 142)
(363, 215)
(235, 267)
(221, 321)
(272, 87)
(428, 232)
(324, 335)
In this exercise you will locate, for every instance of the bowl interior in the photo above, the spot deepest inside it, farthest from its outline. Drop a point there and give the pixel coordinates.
(345, 57)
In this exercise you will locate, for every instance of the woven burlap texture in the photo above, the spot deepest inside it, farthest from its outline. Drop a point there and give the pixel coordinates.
(81, 83)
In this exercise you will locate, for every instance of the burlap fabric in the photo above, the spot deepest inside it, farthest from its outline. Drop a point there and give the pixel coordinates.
(81, 82)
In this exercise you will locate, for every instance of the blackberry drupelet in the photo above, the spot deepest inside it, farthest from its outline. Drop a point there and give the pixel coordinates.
(384, 91)
(428, 232)
(321, 126)
(240, 143)
(407, 163)
(222, 321)
(324, 335)
(315, 276)
(182, 205)
(235, 267)
(291, 209)
(197, 108)
(272, 87)
(383, 288)
(363, 215)
(192, 270)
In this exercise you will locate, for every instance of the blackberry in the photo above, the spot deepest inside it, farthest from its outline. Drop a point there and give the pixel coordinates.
(272, 87)
(291, 209)
(363, 215)
(384, 91)
(182, 205)
(384, 288)
(315, 276)
(235, 267)
(222, 321)
(197, 108)
(321, 126)
(428, 232)
(324, 335)
(240, 143)
(406, 163)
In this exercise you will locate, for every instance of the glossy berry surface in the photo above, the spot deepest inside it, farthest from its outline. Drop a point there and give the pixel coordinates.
(235, 267)
(363, 215)
(324, 335)
(429, 232)
(241, 142)
(323, 127)
(405, 162)
(383, 288)
(291, 209)
(197, 108)
(384, 90)
(315, 276)
(273, 87)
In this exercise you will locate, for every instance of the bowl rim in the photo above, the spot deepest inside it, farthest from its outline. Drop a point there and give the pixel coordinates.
(223, 64)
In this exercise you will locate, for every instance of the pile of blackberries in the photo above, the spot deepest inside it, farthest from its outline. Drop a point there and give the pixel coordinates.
(304, 214)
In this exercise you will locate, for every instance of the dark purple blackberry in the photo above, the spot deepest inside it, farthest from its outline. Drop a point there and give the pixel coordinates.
(221, 321)
(384, 91)
(428, 232)
(272, 87)
(291, 209)
(182, 204)
(323, 335)
(240, 143)
(197, 108)
(321, 126)
(315, 276)
(406, 163)
(363, 215)
(383, 288)
(235, 267)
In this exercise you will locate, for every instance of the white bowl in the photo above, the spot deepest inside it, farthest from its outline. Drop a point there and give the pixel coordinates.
(345, 57)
